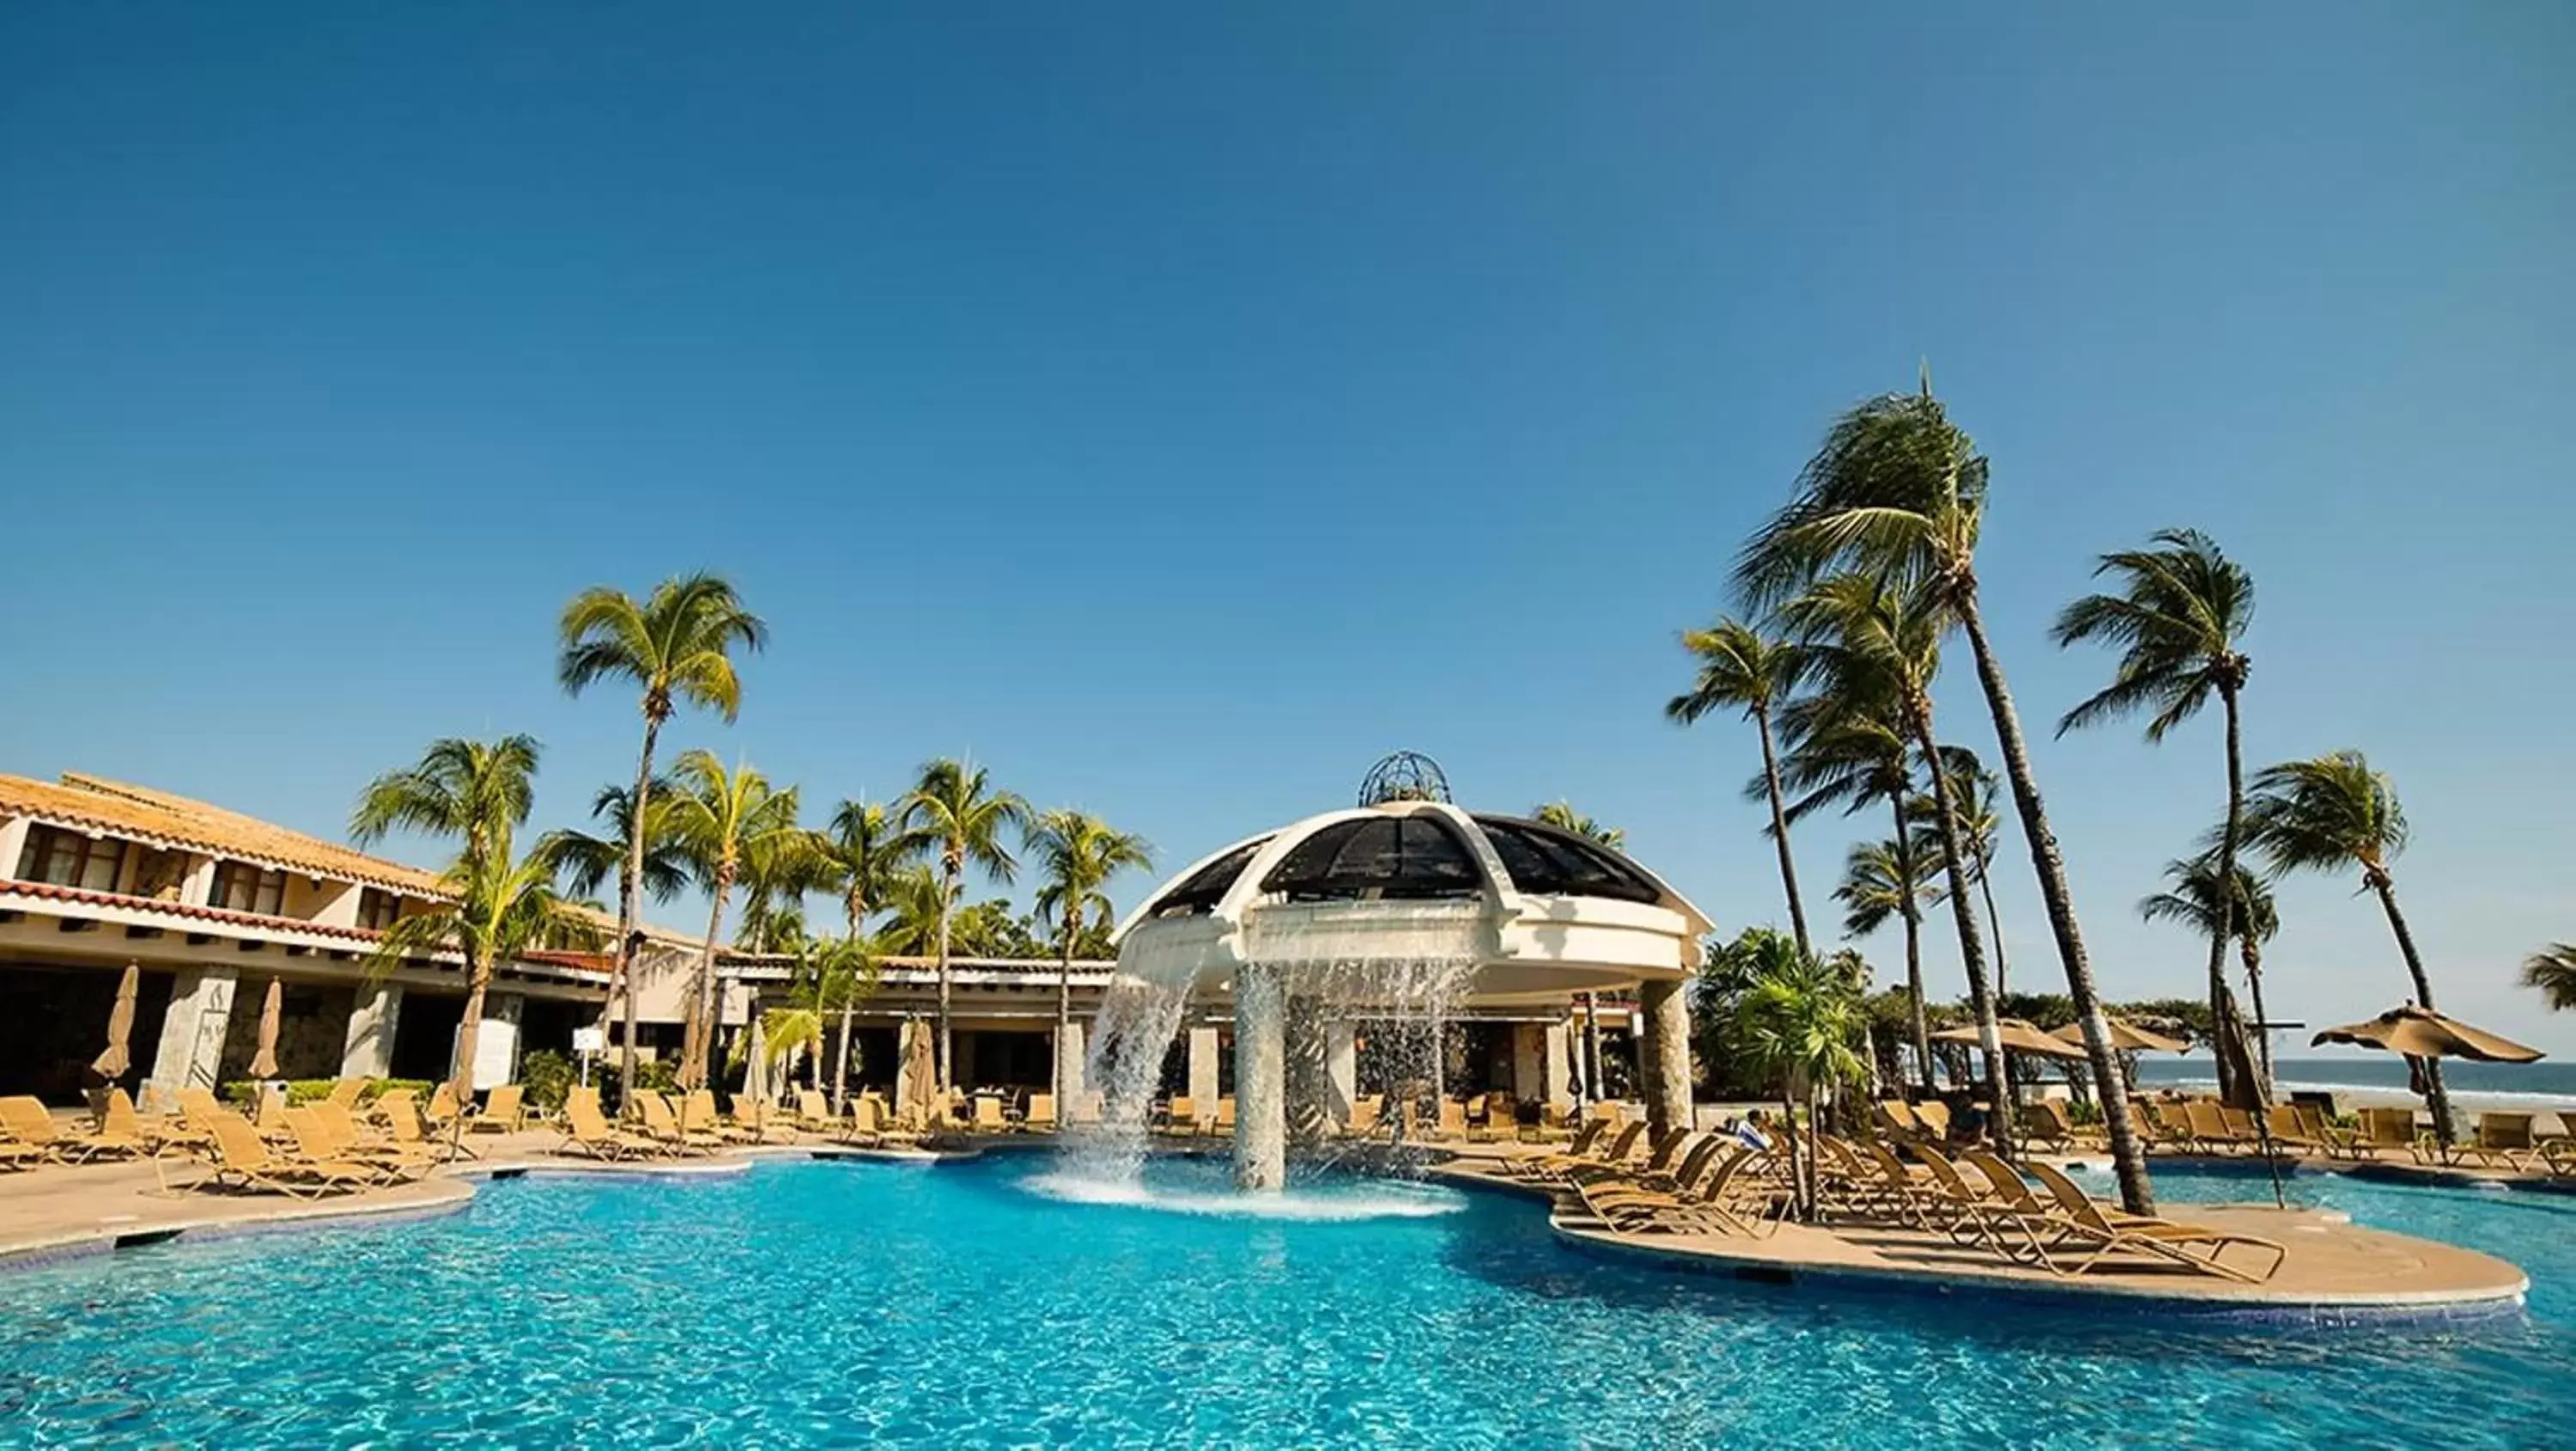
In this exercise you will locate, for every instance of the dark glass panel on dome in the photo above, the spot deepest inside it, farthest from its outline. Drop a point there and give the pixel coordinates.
(1546, 862)
(1204, 888)
(1408, 858)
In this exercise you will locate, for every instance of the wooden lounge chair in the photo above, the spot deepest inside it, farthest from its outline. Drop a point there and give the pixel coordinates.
(443, 1111)
(399, 1110)
(988, 1115)
(1040, 1117)
(1665, 1184)
(2044, 1124)
(1731, 1198)
(1086, 1109)
(2107, 1234)
(588, 1131)
(346, 1092)
(1608, 1145)
(27, 1121)
(504, 1111)
(1656, 1172)
(2503, 1141)
(1934, 1116)
(243, 1160)
(2208, 1128)
(1223, 1122)
(2289, 1133)
(2389, 1130)
(317, 1143)
(752, 1121)
(121, 1127)
(662, 1125)
(353, 1141)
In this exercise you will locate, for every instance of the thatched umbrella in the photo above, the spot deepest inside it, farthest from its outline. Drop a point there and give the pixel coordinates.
(2422, 1033)
(117, 1060)
(263, 1064)
(2015, 1035)
(2126, 1037)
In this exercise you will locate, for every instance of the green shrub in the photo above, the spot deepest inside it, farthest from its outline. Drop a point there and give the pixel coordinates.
(245, 1092)
(548, 1077)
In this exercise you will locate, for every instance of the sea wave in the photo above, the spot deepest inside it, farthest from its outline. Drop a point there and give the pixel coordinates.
(2286, 1086)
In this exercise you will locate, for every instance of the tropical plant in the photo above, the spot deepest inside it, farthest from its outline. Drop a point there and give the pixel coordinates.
(913, 905)
(2553, 973)
(1883, 880)
(1076, 855)
(2334, 813)
(2248, 916)
(1973, 790)
(1563, 816)
(1742, 669)
(2180, 614)
(489, 911)
(675, 646)
(585, 862)
(477, 791)
(1898, 492)
(954, 803)
(729, 823)
(1872, 642)
(860, 854)
(1801, 1022)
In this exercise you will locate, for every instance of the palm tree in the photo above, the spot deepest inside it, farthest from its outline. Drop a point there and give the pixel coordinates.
(1883, 641)
(476, 790)
(1800, 1022)
(859, 855)
(586, 862)
(1849, 747)
(730, 824)
(2247, 915)
(1077, 854)
(676, 646)
(2181, 611)
(954, 803)
(1563, 816)
(1972, 800)
(912, 902)
(1898, 492)
(2334, 813)
(1882, 880)
(1742, 669)
(2553, 972)
(491, 912)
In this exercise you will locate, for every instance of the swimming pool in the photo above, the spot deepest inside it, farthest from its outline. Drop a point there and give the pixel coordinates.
(832, 1303)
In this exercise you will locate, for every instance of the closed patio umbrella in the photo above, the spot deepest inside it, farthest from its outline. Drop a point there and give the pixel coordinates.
(2126, 1036)
(921, 1068)
(263, 1064)
(755, 1077)
(2422, 1033)
(114, 1063)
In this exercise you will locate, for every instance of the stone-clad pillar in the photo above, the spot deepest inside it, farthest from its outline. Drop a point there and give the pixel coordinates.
(1203, 1074)
(1260, 1078)
(191, 1050)
(1664, 1047)
(368, 1051)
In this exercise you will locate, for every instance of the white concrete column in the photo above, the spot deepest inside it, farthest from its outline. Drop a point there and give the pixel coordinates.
(368, 1050)
(336, 904)
(1260, 1078)
(1203, 1074)
(1529, 1049)
(199, 883)
(13, 844)
(1342, 1063)
(191, 1050)
(496, 1040)
(1558, 1084)
(1070, 1083)
(1316, 1106)
(1663, 1044)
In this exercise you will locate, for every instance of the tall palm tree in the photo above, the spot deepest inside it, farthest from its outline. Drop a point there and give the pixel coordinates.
(954, 803)
(2180, 614)
(676, 646)
(491, 911)
(1563, 816)
(1881, 639)
(1973, 789)
(1077, 853)
(1897, 491)
(2248, 915)
(860, 854)
(912, 904)
(729, 823)
(585, 863)
(2334, 813)
(1848, 745)
(1740, 668)
(2553, 972)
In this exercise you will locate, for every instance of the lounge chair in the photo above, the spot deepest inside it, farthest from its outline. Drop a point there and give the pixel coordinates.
(2108, 1233)
(1730, 1199)
(1364, 1115)
(1181, 1115)
(400, 1110)
(662, 1124)
(504, 1111)
(1608, 1146)
(27, 1121)
(2503, 1140)
(346, 1092)
(1223, 1122)
(317, 1142)
(243, 1160)
(588, 1130)
(2208, 1128)
(1040, 1116)
(2290, 1131)
(2044, 1124)
(1086, 1109)
(443, 1111)
(752, 1120)
(2384, 1129)
(120, 1128)
(1658, 1184)
(1656, 1171)
(1934, 1116)
(354, 1141)
(1452, 1121)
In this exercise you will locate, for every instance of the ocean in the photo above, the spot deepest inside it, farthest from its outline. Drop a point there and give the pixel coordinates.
(2504, 1085)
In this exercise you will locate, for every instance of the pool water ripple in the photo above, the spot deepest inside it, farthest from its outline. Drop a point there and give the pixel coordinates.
(835, 1304)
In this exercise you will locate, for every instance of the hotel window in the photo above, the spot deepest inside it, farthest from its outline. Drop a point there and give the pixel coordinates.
(241, 887)
(71, 859)
(377, 910)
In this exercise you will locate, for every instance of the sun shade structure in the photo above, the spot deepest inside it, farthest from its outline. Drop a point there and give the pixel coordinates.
(118, 1059)
(2422, 1033)
(2126, 1037)
(2016, 1036)
(263, 1064)
(1539, 912)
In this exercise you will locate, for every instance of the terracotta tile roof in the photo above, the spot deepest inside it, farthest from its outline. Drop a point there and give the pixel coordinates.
(95, 803)
(261, 920)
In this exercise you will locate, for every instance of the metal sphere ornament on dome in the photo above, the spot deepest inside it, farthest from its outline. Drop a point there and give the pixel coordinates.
(1404, 776)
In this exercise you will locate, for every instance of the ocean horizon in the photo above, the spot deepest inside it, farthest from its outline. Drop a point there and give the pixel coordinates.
(2543, 1084)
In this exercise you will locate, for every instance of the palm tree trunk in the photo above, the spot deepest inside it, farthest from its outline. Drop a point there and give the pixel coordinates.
(469, 1030)
(702, 997)
(1994, 921)
(1913, 916)
(2252, 957)
(947, 1042)
(856, 908)
(2435, 1092)
(2128, 1156)
(2224, 927)
(1780, 831)
(630, 885)
(1592, 1049)
(1972, 952)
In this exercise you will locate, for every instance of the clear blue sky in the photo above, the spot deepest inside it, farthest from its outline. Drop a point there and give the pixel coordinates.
(1179, 406)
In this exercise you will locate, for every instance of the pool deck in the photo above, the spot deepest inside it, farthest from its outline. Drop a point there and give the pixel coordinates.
(2334, 1269)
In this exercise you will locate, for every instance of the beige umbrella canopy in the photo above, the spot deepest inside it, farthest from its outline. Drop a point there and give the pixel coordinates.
(263, 1064)
(2126, 1036)
(2016, 1036)
(2423, 1033)
(921, 1067)
(118, 1060)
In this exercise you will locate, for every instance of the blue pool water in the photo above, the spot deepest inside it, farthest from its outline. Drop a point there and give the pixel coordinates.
(825, 1303)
